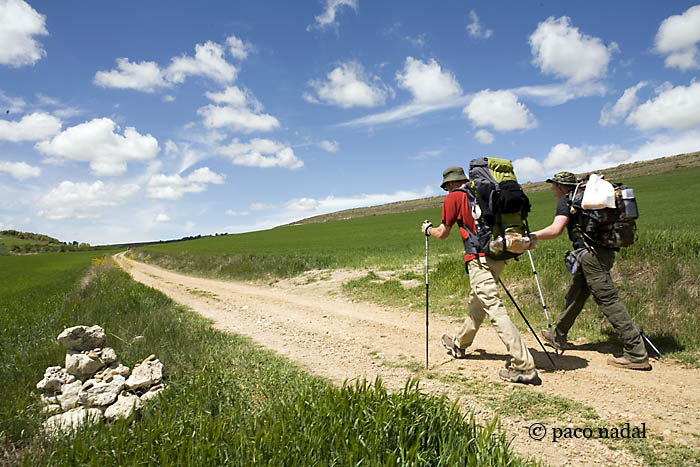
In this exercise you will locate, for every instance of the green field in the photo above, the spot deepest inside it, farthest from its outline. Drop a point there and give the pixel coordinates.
(656, 277)
(226, 402)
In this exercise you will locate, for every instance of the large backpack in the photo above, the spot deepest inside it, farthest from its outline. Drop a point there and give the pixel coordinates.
(609, 227)
(500, 208)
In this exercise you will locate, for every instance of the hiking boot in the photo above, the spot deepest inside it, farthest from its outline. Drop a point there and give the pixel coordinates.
(452, 348)
(549, 341)
(512, 375)
(626, 363)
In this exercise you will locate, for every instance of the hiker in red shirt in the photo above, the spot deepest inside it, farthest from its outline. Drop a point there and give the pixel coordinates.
(483, 271)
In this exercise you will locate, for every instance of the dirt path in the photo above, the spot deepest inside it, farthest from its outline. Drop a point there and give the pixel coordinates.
(312, 324)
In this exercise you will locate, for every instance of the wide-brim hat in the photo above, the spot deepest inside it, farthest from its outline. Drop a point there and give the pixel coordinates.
(452, 174)
(563, 178)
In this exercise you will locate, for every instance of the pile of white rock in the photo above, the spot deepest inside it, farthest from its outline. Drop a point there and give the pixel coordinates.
(94, 385)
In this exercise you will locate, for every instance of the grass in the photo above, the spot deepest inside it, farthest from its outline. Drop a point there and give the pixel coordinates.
(227, 401)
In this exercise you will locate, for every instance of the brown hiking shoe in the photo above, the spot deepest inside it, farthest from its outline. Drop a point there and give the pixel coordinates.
(549, 341)
(452, 348)
(626, 363)
(512, 375)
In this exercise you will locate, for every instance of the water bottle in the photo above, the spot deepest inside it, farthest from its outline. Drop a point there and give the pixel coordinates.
(629, 204)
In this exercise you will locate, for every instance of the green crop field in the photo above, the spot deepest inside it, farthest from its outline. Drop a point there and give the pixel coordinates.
(226, 402)
(657, 277)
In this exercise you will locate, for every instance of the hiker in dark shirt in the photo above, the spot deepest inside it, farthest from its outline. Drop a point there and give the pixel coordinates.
(591, 277)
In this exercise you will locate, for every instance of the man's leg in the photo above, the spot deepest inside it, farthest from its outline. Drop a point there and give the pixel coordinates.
(596, 268)
(576, 297)
(483, 276)
(475, 316)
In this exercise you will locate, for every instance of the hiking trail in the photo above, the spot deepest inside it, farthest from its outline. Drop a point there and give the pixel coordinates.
(308, 320)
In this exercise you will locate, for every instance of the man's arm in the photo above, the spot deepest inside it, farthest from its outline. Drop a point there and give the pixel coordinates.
(554, 229)
(441, 232)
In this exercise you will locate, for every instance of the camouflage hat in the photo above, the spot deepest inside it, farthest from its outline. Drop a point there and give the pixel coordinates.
(452, 174)
(563, 178)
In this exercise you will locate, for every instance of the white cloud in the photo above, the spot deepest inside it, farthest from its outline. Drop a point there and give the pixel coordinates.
(241, 112)
(168, 98)
(558, 94)
(32, 127)
(80, 200)
(208, 61)
(528, 169)
(673, 108)
(97, 142)
(262, 153)
(499, 110)
(238, 48)
(678, 38)
(329, 146)
(13, 104)
(231, 212)
(612, 114)
(406, 111)
(484, 137)
(560, 49)
(431, 88)
(162, 218)
(19, 23)
(587, 159)
(328, 17)
(20, 170)
(309, 206)
(476, 29)
(427, 82)
(348, 85)
(142, 76)
(174, 186)
(423, 155)
(261, 207)
(562, 156)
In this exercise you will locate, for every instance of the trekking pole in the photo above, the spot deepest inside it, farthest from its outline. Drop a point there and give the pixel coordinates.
(644, 336)
(527, 322)
(426, 297)
(544, 305)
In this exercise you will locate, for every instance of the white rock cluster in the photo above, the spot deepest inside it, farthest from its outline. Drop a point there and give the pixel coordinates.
(94, 385)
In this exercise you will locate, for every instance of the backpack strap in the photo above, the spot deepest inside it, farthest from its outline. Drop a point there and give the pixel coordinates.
(472, 245)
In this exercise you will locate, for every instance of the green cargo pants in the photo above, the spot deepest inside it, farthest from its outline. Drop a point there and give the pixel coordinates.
(593, 278)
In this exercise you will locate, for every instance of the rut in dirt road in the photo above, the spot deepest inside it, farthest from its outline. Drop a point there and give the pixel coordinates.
(330, 336)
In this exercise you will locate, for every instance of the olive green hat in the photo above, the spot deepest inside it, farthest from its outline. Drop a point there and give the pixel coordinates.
(452, 174)
(563, 178)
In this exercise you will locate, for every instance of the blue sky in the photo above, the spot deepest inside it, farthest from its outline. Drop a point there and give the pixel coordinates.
(135, 121)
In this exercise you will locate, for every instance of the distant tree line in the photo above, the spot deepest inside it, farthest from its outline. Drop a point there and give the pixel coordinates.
(44, 243)
(29, 236)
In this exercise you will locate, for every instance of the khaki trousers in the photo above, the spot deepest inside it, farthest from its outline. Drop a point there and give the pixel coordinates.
(484, 299)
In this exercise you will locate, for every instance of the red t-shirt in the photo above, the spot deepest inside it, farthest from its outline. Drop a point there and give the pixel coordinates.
(456, 207)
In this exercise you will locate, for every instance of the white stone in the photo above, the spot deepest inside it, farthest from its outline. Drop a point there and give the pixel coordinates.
(66, 422)
(54, 378)
(124, 407)
(148, 373)
(69, 395)
(52, 409)
(108, 355)
(152, 393)
(113, 369)
(82, 364)
(100, 393)
(82, 337)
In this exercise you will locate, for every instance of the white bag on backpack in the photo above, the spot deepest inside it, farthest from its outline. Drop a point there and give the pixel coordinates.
(599, 193)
